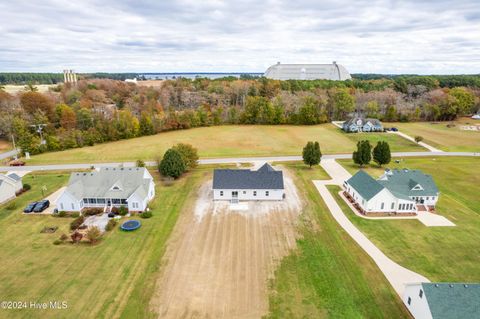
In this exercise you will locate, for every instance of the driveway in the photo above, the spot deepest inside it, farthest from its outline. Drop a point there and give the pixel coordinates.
(408, 137)
(397, 275)
(53, 200)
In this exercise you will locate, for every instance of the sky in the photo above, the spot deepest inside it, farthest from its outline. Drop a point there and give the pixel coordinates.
(374, 36)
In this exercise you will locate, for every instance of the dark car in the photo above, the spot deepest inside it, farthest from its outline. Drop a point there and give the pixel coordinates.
(30, 207)
(394, 129)
(41, 206)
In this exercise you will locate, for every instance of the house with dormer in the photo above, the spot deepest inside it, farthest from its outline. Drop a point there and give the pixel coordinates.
(360, 124)
(108, 187)
(399, 191)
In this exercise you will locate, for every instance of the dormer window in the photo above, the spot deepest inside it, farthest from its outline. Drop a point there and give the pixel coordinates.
(116, 188)
(417, 187)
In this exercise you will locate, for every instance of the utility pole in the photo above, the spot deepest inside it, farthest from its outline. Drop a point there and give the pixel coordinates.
(39, 128)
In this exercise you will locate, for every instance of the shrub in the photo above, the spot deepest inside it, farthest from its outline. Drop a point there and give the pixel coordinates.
(63, 237)
(62, 213)
(122, 211)
(111, 224)
(57, 242)
(76, 237)
(172, 164)
(11, 206)
(115, 210)
(140, 163)
(26, 187)
(90, 211)
(418, 139)
(146, 214)
(77, 222)
(75, 214)
(93, 234)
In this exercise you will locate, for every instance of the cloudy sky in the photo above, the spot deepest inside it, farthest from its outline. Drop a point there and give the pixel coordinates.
(366, 36)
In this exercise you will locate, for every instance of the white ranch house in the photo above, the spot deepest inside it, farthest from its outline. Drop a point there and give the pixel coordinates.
(396, 191)
(360, 124)
(10, 185)
(442, 300)
(108, 187)
(245, 185)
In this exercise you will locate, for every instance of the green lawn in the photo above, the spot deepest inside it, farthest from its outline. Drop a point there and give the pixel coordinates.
(439, 253)
(112, 279)
(328, 276)
(226, 141)
(451, 139)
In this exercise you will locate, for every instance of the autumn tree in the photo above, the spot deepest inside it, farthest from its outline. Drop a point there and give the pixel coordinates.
(34, 101)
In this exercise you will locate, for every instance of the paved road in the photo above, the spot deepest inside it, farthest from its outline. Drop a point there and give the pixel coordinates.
(231, 160)
(397, 275)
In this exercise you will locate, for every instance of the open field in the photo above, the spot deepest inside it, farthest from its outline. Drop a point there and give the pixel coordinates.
(438, 135)
(5, 146)
(439, 253)
(113, 279)
(328, 275)
(42, 88)
(226, 141)
(218, 261)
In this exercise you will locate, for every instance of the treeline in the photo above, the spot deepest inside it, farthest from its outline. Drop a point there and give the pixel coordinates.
(101, 110)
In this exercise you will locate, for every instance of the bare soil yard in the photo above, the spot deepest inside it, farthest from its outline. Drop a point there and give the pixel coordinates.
(218, 261)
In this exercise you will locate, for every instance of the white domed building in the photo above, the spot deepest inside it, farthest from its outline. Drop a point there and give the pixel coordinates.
(333, 71)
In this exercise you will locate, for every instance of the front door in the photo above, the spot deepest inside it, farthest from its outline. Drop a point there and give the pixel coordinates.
(234, 194)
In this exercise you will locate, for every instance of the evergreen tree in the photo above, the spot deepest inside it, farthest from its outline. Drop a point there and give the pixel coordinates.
(312, 154)
(381, 153)
(363, 154)
(172, 164)
(189, 154)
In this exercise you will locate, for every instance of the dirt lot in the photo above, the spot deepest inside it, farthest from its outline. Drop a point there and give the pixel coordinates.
(219, 261)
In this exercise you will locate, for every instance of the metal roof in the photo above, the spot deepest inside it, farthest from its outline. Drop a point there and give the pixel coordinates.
(332, 71)
(403, 181)
(14, 176)
(453, 300)
(264, 178)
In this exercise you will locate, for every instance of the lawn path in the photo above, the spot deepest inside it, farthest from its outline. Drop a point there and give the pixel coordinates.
(397, 275)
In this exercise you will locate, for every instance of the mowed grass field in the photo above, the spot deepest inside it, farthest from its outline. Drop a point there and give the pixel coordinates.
(329, 275)
(439, 253)
(227, 141)
(113, 279)
(437, 134)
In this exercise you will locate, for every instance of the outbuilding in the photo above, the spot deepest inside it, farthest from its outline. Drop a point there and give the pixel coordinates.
(235, 185)
(10, 185)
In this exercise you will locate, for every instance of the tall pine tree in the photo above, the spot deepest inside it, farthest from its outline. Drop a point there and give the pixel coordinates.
(363, 154)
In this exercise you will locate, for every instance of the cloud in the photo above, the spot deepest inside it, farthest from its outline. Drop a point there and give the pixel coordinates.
(377, 36)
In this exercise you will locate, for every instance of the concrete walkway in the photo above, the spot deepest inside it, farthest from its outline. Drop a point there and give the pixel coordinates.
(397, 275)
(408, 137)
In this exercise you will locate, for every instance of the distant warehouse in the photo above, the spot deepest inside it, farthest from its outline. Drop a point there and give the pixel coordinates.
(332, 71)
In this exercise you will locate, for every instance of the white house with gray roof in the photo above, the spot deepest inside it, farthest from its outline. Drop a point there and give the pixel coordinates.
(443, 300)
(396, 191)
(360, 124)
(10, 185)
(108, 187)
(265, 183)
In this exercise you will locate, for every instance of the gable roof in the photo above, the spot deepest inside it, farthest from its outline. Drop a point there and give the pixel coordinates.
(263, 178)
(99, 184)
(405, 180)
(363, 121)
(453, 300)
(365, 185)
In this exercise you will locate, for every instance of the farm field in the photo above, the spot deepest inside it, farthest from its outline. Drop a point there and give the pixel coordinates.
(439, 253)
(438, 135)
(112, 279)
(42, 88)
(226, 141)
(328, 275)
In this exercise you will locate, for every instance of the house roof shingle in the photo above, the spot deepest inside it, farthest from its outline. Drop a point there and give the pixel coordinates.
(453, 300)
(403, 181)
(365, 185)
(263, 178)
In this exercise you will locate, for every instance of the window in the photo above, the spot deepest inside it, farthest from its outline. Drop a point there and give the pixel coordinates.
(135, 205)
(382, 206)
(73, 206)
(123, 201)
(61, 206)
(393, 205)
(116, 201)
(85, 200)
(221, 193)
(244, 192)
(267, 193)
(421, 293)
(115, 188)
(409, 301)
(254, 193)
(92, 201)
(100, 200)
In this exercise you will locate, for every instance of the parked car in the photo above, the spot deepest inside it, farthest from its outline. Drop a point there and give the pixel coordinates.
(41, 206)
(16, 163)
(30, 207)
(394, 129)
